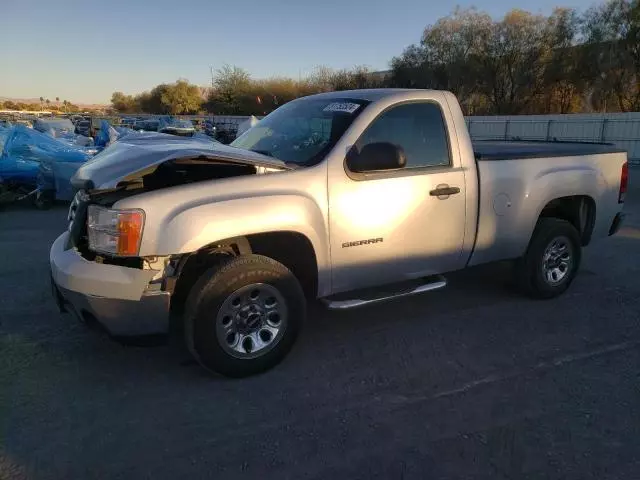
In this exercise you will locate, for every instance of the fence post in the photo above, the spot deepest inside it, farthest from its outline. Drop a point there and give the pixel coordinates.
(549, 130)
(603, 131)
(506, 129)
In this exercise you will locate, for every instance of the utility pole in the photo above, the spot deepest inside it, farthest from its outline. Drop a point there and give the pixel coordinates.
(212, 84)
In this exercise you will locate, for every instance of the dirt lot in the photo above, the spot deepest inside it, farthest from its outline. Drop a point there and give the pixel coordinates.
(470, 382)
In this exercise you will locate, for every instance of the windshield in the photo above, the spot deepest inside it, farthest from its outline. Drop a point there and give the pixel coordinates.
(302, 131)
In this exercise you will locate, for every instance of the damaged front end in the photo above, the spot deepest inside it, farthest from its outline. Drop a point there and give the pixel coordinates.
(97, 268)
(144, 164)
(108, 238)
(158, 161)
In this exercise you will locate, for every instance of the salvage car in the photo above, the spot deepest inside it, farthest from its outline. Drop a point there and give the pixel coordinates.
(176, 126)
(83, 127)
(353, 197)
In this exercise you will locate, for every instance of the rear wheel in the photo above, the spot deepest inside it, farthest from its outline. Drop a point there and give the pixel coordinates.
(244, 315)
(551, 261)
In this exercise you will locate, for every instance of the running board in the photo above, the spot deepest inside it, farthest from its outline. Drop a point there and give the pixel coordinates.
(340, 302)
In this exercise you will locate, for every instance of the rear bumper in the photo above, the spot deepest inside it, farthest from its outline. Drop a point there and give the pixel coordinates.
(616, 224)
(113, 296)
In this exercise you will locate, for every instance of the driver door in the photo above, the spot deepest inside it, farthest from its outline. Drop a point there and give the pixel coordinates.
(389, 226)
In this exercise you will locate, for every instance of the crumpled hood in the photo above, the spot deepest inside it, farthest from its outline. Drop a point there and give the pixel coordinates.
(139, 152)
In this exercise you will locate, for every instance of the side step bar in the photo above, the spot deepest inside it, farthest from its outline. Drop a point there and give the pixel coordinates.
(435, 283)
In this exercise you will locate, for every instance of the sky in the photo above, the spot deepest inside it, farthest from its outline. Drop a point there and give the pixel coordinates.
(83, 51)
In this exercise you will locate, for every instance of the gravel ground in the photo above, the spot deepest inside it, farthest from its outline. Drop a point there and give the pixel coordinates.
(469, 382)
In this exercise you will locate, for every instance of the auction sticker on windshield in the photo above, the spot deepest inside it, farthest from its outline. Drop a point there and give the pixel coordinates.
(345, 107)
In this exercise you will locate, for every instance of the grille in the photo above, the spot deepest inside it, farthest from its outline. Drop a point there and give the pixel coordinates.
(73, 209)
(77, 218)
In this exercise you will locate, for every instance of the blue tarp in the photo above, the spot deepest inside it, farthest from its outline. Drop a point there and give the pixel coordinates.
(107, 135)
(4, 131)
(62, 129)
(31, 158)
(204, 138)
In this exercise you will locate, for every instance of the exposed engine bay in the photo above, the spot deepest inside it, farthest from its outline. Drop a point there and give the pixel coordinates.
(184, 171)
(171, 173)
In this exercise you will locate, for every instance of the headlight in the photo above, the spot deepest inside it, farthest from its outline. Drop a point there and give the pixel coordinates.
(117, 232)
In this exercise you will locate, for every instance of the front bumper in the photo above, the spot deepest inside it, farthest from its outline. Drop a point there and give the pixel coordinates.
(115, 297)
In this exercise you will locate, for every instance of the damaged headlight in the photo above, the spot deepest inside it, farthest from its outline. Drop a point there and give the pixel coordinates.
(116, 232)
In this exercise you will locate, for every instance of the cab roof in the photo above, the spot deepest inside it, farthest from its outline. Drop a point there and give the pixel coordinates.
(370, 94)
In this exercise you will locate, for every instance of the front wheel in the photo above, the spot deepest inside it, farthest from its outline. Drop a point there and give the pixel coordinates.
(551, 261)
(243, 315)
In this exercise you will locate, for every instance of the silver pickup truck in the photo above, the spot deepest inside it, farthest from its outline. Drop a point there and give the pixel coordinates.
(352, 197)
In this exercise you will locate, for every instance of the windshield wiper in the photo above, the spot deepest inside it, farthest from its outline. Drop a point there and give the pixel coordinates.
(291, 165)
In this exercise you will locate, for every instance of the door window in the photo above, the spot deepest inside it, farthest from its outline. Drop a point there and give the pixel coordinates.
(418, 128)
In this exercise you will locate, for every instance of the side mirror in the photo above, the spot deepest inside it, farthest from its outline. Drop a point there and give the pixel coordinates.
(376, 156)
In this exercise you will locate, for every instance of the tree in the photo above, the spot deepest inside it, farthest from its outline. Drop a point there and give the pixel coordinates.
(180, 98)
(151, 102)
(525, 63)
(325, 79)
(57, 99)
(564, 76)
(612, 46)
(72, 108)
(321, 79)
(452, 47)
(411, 69)
(123, 103)
(512, 66)
(148, 103)
(232, 87)
(272, 93)
(447, 57)
(519, 64)
(450, 56)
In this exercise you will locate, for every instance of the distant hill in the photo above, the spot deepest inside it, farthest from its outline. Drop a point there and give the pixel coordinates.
(53, 102)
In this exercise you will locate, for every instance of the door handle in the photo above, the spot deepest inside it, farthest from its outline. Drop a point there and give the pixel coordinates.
(444, 191)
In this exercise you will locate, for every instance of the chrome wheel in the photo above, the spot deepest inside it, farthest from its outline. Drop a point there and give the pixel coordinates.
(557, 261)
(251, 321)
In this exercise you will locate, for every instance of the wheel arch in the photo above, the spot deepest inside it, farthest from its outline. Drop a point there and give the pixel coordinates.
(291, 248)
(579, 210)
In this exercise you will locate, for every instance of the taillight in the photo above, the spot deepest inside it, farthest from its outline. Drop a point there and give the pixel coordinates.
(624, 182)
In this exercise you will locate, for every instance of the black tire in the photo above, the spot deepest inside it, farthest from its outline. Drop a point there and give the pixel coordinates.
(530, 273)
(212, 292)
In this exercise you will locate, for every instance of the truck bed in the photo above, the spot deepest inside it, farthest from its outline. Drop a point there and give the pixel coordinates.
(494, 150)
(513, 192)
